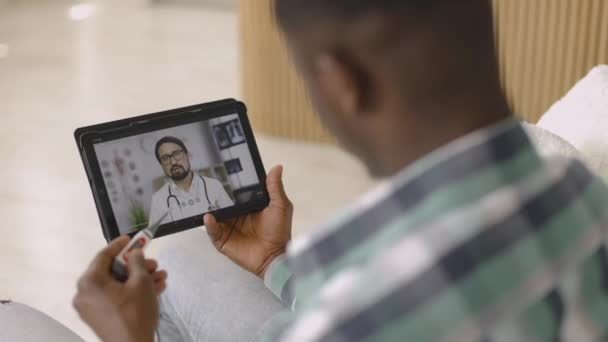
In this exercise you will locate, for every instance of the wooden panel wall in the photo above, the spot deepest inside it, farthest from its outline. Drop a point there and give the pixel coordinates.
(274, 94)
(545, 46)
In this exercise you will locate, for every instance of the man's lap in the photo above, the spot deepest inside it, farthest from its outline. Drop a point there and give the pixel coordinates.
(209, 298)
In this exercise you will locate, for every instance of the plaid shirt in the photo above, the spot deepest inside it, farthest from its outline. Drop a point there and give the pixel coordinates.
(481, 240)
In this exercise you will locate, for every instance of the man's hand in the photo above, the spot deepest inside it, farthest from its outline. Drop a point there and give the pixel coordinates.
(253, 241)
(121, 312)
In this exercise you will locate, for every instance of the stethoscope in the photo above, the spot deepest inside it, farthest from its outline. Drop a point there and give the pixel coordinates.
(173, 197)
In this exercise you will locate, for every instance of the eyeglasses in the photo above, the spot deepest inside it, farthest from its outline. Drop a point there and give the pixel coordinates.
(177, 155)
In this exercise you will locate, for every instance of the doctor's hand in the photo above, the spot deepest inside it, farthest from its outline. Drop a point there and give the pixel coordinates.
(121, 311)
(253, 241)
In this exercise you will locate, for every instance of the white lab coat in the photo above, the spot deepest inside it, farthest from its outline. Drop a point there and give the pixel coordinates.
(190, 203)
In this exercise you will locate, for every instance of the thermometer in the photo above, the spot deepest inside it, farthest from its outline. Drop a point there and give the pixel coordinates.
(141, 241)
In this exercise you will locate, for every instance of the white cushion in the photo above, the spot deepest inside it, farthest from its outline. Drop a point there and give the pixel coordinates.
(581, 118)
(21, 323)
(549, 144)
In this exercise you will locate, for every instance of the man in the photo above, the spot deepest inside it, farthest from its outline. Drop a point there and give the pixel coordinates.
(187, 194)
(473, 237)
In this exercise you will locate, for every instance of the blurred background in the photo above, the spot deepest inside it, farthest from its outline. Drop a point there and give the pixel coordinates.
(66, 64)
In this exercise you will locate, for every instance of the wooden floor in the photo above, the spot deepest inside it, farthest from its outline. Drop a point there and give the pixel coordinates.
(57, 74)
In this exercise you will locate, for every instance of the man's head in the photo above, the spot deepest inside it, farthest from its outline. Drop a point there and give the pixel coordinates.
(394, 79)
(173, 156)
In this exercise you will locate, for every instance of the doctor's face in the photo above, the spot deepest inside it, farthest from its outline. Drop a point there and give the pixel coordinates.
(175, 161)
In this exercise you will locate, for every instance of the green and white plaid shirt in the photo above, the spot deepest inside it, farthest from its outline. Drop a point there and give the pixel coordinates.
(481, 240)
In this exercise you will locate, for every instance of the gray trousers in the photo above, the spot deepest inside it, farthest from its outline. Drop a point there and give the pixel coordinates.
(208, 298)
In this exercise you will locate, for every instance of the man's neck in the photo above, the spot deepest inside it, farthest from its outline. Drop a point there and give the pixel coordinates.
(403, 151)
(186, 183)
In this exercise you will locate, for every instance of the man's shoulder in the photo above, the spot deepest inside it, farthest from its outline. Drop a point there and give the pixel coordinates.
(574, 168)
(539, 225)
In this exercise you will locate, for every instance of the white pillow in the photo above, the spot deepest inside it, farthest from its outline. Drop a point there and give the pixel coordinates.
(581, 118)
(21, 323)
(549, 144)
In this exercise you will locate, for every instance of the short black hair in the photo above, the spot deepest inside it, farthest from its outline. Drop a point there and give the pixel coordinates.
(429, 49)
(166, 140)
(290, 12)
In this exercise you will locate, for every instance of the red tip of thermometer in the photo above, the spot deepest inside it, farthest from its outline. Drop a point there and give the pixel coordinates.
(140, 241)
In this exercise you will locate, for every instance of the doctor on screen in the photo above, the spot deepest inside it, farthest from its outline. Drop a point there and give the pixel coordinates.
(187, 194)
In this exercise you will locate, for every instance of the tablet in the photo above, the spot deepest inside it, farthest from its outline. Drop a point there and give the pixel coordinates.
(185, 162)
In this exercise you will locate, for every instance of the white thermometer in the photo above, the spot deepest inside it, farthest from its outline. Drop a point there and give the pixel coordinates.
(140, 240)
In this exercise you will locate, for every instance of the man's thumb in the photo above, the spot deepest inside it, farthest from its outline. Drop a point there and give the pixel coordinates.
(215, 231)
(274, 184)
(212, 227)
(137, 263)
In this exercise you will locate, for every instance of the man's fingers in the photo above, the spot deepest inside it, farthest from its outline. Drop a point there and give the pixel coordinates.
(151, 265)
(160, 276)
(137, 264)
(276, 190)
(160, 287)
(160, 281)
(104, 258)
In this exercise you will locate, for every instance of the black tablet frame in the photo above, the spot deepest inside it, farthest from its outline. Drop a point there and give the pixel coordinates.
(87, 137)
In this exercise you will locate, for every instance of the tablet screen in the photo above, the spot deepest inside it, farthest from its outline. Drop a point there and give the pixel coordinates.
(186, 170)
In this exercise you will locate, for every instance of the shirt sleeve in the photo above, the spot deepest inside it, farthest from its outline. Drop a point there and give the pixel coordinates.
(279, 280)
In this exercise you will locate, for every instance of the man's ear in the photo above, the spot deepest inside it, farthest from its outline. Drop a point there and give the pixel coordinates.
(339, 83)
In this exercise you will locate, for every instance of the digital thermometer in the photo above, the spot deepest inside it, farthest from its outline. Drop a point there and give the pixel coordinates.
(141, 240)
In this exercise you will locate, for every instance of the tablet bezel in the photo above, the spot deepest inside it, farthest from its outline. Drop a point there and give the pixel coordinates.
(87, 137)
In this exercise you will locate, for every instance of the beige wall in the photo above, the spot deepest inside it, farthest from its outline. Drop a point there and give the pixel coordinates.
(544, 47)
